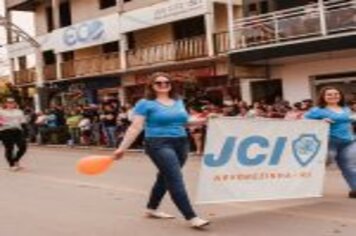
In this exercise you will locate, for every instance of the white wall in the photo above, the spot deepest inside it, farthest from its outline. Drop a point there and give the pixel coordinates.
(296, 76)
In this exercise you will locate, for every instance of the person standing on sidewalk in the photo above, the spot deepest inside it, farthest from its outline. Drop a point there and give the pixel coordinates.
(163, 117)
(12, 121)
(109, 125)
(342, 145)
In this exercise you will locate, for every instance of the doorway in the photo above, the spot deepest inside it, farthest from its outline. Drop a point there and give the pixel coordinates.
(266, 90)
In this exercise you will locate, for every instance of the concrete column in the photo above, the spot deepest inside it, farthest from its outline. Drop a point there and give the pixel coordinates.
(246, 91)
(323, 26)
(122, 50)
(210, 28)
(122, 97)
(56, 22)
(55, 13)
(59, 60)
(11, 61)
(230, 17)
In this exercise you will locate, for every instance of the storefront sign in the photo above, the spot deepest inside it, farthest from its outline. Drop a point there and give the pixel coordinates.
(161, 13)
(250, 160)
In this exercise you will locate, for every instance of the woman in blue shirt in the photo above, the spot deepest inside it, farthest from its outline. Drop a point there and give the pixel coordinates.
(163, 117)
(342, 146)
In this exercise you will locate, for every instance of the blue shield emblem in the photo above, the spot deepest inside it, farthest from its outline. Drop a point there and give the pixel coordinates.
(305, 148)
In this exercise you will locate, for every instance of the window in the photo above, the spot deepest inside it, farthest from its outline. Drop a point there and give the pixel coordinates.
(196, 28)
(252, 7)
(49, 19)
(22, 63)
(68, 56)
(264, 7)
(131, 40)
(266, 90)
(65, 14)
(110, 47)
(49, 58)
(107, 3)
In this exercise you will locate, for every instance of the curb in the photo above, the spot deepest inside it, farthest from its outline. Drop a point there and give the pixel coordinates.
(59, 146)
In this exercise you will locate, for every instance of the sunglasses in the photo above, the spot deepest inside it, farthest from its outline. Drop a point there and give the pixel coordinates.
(162, 83)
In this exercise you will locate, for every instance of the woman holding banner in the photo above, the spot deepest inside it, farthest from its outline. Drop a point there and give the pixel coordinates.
(163, 117)
(331, 108)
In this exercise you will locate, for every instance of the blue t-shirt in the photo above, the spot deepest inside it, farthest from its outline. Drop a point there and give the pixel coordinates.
(341, 127)
(162, 120)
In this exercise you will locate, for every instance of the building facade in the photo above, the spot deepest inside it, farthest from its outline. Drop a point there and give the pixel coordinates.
(94, 48)
(276, 49)
(301, 47)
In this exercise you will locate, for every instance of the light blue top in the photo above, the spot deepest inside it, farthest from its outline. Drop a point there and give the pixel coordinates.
(162, 120)
(341, 127)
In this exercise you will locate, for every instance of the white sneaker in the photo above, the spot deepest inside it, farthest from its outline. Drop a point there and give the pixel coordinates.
(198, 223)
(158, 215)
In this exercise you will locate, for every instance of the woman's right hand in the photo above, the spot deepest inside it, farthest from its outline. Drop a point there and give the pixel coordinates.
(118, 154)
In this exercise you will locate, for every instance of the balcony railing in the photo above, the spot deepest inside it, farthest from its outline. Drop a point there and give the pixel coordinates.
(25, 76)
(183, 49)
(309, 21)
(105, 63)
(222, 42)
(50, 72)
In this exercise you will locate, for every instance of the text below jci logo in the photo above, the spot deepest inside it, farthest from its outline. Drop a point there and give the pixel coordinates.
(304, 149)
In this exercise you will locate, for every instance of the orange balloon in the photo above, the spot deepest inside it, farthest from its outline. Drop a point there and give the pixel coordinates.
(94, 165)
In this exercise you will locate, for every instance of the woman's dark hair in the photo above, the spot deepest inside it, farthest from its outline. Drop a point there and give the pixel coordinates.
(321, 100)
(150, 94)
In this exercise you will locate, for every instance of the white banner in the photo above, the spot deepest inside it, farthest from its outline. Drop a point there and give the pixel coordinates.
(250, 160)
(88, 33)
(81, 35)
(161, 13)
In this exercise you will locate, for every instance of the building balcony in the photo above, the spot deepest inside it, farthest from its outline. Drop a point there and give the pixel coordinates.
(93, 66)
(309, 29)
(184, 49)
(22, 5)
(28, 76)
(222, 42)
(25, 76)
(106, 64)
(50, 72)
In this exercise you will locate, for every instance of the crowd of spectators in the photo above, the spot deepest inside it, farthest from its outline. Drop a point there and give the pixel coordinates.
(105, 124)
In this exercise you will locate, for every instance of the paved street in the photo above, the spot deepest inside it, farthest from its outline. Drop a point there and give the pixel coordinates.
(50, 199)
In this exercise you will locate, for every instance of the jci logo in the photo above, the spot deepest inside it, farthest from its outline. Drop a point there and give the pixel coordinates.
(84, 33)
(304, 148)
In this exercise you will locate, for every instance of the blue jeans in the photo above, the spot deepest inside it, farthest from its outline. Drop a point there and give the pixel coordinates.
(345, 155)
(110, 134)
(169, 156)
